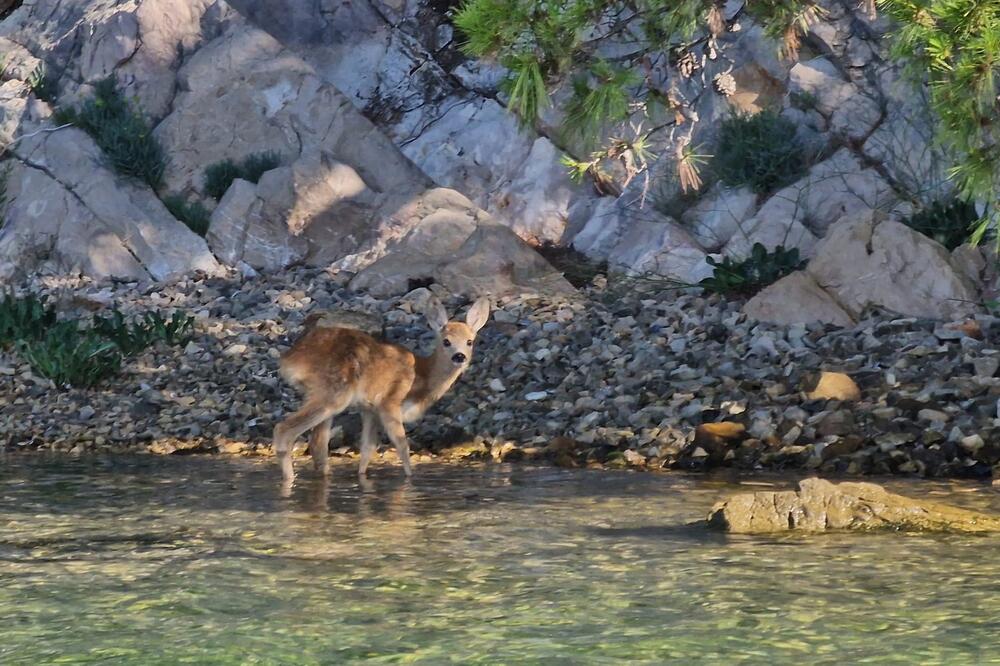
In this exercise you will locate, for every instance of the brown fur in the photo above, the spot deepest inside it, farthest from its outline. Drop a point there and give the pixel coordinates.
(340, 368)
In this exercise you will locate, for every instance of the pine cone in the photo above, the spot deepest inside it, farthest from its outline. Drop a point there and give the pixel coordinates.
(725, 84)
(687, 65)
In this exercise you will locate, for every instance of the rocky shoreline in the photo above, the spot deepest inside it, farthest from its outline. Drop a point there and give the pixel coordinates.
(630, 375)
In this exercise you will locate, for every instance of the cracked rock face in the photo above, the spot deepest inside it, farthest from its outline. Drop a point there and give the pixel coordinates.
(388, 59)
(218, 87)
(377, 116)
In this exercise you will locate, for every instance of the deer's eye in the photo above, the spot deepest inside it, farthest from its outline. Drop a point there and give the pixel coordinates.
(469, 343)
(447, 342)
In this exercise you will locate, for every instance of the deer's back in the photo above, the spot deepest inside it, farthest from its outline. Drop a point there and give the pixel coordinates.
(336, 359)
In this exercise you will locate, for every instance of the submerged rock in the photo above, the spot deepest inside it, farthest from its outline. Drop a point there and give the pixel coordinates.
(819, 505)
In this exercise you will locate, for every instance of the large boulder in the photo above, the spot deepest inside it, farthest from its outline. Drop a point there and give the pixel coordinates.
(771, 232)
(316, 211)
(142, 43)
(657, 247)
(637, 240)
(284, 107)
(78, 216)
(838, 186)
(797, 298)
(818, 505)
(454, 243)
(866, 261)
(869, 261)
(720, 215)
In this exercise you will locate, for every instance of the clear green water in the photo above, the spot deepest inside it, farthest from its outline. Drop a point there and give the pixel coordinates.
(197, 560)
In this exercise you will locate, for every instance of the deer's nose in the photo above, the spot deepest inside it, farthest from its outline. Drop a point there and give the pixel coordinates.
(458, 358)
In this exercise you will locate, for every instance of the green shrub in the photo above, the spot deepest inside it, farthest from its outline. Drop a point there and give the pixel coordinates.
(802, 100)
(132, 337)
(761, 151)
(67, 355)
(193, 214)
(44, 86)
(24, 318)
(219, 176)
(256, 165)
(178, 330)
(79, 356)
(747, 277)
(121, 131)
(947, 222)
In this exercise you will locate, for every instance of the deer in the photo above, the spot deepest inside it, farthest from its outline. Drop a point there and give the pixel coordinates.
(339, 368)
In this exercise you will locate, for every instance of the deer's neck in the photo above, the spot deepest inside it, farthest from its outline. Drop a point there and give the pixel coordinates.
(434, 375)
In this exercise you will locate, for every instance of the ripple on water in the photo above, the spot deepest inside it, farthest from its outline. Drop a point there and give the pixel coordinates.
(153, 560)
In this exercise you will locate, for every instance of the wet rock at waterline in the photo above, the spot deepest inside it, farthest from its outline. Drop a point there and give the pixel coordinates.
(818, 505)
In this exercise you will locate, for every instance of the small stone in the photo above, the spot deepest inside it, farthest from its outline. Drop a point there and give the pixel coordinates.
(986, 366)
(972, 443)
(87, 412)
(933, 415)
(497, 386)
(835, 386)
(634, 458)
(536, 395)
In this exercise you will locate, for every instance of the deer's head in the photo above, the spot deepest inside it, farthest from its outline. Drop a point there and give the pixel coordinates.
(455, 338)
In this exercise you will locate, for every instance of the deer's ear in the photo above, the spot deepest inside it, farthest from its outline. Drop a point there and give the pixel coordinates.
(478, 314)
(436, 315)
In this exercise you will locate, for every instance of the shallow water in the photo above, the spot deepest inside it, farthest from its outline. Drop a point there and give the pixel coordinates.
(151, 560)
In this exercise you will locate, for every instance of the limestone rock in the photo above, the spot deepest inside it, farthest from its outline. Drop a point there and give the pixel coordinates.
(836, 187)
(48, 228)
(317, 211)
(855, 119)
(92, 220)
(657, 247)
(113, 42)
(453, 243)
(818, 505)
(771, 232)
(820, 78)
(866, 262)
(285, 108)
(719, 216)
(797, 298)
(382, 57)
(601, 227)
(905, 144)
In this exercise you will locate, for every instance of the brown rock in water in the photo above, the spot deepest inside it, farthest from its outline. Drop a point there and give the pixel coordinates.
(834, 386)
(819, 505)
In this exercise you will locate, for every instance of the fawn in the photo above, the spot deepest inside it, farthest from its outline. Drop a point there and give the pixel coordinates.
(339, 368)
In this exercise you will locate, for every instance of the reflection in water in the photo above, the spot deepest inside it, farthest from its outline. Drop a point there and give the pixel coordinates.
(151, 560)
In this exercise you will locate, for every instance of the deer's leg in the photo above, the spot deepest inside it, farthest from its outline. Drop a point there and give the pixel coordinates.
(309, 416)
(392, 422)
(319, 447)
(369, 440)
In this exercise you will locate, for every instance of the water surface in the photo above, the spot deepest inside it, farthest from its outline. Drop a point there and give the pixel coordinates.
(150, 560)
